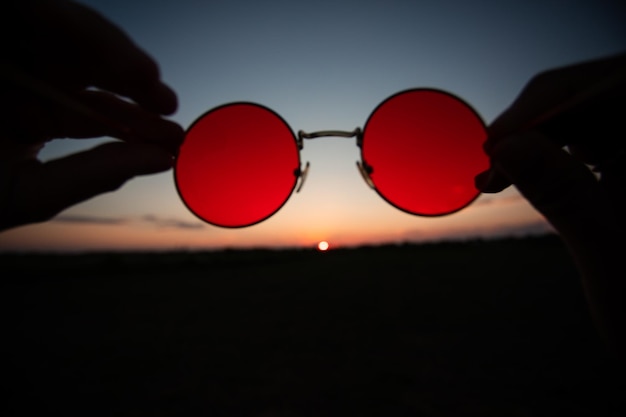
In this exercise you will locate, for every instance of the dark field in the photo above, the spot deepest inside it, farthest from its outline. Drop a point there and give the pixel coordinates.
(494, 328)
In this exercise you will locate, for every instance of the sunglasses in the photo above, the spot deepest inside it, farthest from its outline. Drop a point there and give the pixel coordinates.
(420, 151)
(240, 162)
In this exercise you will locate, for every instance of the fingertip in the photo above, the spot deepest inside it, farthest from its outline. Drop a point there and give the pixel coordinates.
(165, 134)
(138, 77)
(481, 180)
(491, 181)
(488, 144)
(168, 100)
(518, 156)
(158, 98)
(127, 160)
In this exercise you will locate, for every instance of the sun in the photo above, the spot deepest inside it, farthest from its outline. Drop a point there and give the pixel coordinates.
(323, 246)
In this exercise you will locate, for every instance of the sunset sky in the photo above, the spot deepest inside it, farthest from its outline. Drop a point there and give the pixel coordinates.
(326, 65)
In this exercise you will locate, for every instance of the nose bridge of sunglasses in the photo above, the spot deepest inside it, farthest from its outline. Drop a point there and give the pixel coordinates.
(357, 132)
(363, 168)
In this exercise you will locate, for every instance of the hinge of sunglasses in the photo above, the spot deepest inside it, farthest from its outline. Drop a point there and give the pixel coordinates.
(327, 133)
(301, 175)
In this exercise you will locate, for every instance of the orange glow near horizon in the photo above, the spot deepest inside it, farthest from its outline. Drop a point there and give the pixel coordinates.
(510, 216)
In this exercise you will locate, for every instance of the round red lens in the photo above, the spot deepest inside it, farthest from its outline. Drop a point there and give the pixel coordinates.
(237, 165)
(424, 148)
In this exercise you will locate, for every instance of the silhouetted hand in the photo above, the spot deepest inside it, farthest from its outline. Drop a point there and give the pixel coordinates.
(58, 50)
(587, 208)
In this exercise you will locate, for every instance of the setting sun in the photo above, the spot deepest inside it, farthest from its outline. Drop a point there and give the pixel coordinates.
(322, 246)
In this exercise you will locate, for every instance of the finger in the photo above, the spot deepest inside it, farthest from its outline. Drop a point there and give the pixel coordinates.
(552, 103)
(592, 131)
(118, 118)
(491, 181)
(43, 190)
(119, 65)
(564, 190)
(137, 77)
(566, 103)
(39, 112)
(72, 44)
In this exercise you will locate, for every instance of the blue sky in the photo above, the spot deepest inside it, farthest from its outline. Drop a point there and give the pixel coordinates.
(326, 65)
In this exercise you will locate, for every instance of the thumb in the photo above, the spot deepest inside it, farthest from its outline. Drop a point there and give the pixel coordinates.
(43, 190)
(560, 187)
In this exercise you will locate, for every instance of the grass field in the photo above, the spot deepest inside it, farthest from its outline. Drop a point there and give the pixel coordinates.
(485, 328)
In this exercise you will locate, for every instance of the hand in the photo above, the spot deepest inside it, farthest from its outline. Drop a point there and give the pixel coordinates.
(68, 72)
(582, 108)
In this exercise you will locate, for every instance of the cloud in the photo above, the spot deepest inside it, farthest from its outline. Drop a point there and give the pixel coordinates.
(171, 223)
(72, 218)
(532, 228)
(148, 218)
(538, 227)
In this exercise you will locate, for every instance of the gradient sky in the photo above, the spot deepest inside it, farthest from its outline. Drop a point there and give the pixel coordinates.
(326, 65)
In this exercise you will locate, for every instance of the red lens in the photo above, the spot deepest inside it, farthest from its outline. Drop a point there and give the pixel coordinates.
(237, 165)
(424, 148)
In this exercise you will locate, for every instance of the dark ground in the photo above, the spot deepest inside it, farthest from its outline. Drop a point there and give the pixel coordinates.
(476, 329)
